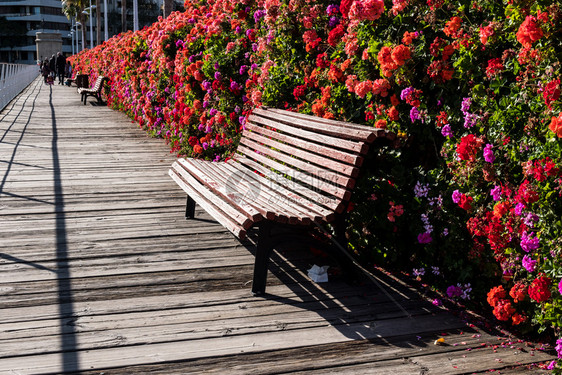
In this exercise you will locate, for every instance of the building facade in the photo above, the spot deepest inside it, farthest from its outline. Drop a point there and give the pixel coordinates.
(21, 20)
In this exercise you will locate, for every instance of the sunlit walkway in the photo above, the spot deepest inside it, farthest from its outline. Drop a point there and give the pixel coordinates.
(100, 272)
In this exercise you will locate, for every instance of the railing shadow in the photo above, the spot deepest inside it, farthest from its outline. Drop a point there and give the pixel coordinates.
(70, 358)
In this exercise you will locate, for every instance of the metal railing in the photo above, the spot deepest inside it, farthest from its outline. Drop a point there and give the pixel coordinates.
(13, 79)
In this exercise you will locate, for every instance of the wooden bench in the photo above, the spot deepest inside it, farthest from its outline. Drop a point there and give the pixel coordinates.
(81, 80)
(289, 169)
(93, 91)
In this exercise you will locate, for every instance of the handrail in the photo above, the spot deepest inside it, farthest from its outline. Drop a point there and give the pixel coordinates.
(13, 79)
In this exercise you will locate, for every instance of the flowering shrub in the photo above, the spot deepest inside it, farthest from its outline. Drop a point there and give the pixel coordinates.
(472, 88)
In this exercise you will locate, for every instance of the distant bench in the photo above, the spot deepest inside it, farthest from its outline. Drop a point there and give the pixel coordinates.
(94, 91)
(289, 169)
(81, 80)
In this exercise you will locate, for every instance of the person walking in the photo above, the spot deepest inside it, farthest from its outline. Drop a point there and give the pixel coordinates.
(53, 66)
(67, 72)
(60, 66)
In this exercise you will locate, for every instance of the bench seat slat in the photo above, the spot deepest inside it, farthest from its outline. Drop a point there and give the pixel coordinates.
(211, 209)
(204, 175)
(357, 147)
(339, 129)
(216, 172)
(296, 192)
(345, 157)
(235, 215)
(281, 199)
(264, 198)
(344, 169)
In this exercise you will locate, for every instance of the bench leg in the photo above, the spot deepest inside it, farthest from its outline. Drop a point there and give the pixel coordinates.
(189, 208)
(262, 258)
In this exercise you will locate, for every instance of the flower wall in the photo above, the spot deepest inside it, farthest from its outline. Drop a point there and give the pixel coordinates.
(469, 204)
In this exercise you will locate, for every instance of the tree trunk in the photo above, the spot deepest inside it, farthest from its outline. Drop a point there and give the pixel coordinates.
(168, 7)
(123, 15)
(98, 23)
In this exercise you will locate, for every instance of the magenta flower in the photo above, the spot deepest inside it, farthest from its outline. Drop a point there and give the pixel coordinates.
(496, 193)
(529, 242)
(489, 154)
(456, 196)
(529, 263)
(446, 131)
(424, 238)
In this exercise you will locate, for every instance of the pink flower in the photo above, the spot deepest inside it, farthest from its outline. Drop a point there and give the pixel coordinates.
(369, 10)
(363, 88)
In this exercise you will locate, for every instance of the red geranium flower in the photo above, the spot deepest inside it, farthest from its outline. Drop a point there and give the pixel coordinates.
(539, 289)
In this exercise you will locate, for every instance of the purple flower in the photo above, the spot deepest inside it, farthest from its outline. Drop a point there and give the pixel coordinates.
(489, 154)
(332, 8)
(218, 75)
(454, 291)
(435, 270)
(418, 272)
(205, 145)
(519, 209)
(470, 120)
(424, 238)
(259, 15)
(446, 131)
(235, 86)
(333, 22)
(242, 120)
(529, 242)
(414, 114)
(456, 196)
(560, 286)
(551, 365)
(529, 263)
(496, 193)
(207, 86)
(530, 219)
(243, 69)
(213, 112)
(406, 93)
(421, 190)
(201, 127)
(237, 30)
(465, 105)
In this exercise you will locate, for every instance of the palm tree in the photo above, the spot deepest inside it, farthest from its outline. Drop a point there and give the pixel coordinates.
(123, 15)
(74, 8)
(168, 7)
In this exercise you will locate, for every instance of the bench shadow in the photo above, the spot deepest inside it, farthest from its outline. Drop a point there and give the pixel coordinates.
(350, 302)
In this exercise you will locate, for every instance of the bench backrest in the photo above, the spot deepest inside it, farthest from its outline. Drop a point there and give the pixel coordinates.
(313, 157)
(99, 82)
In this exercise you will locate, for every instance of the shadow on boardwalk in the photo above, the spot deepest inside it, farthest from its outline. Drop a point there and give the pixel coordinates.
(100, 273)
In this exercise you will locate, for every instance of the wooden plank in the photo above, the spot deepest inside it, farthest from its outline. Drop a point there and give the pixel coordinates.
(203, 194)
(380, 133)
(309, 133)
(226, 192)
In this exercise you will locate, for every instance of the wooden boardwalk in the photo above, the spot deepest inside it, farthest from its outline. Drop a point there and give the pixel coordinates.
(100, 273)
